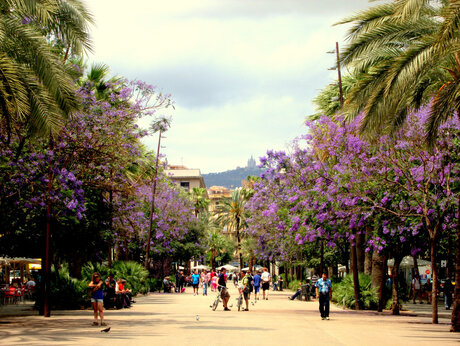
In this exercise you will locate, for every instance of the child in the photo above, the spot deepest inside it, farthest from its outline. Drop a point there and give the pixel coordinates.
(214, 283)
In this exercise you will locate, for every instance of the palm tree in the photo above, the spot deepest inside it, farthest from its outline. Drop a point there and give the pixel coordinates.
(232, 213)
(198, 196)
(37, 88)
(407, 54)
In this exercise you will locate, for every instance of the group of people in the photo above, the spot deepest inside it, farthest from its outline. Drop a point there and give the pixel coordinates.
(249, 283)
(419, 290)
(110, 293)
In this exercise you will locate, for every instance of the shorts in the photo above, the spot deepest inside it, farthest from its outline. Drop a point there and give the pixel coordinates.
(256, 289)
(195, 285)
(224, 293)
(265, 286)
(97, 300)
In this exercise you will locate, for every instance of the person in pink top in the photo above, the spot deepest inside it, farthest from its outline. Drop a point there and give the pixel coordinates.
(214, 283)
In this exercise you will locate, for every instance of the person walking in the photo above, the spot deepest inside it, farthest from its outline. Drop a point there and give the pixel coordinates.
(222, 282)
(97, 298)
(244, 288)
(195, 277)
(266, 279)
(324, 292)
(205, 282)
(256, 282)
(448, 289)
(416, 290)
(427, 288)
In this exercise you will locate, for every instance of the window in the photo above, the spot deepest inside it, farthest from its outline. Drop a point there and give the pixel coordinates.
(185, 185)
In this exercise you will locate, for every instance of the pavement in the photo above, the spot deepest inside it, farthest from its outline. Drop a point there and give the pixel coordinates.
(185, 319)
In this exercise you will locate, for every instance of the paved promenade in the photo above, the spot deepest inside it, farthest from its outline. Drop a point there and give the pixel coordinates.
(170, 319)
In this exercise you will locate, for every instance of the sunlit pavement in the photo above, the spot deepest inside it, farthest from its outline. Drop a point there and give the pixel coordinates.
(184, 319)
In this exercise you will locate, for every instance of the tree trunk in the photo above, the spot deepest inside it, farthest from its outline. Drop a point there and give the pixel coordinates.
(378, 264)
(395, 286)
(368, 263)
(359, 244)
(321, 263)
(382, 284)
(456, 308)
(286, 274)
(434, 269)
(354, 265)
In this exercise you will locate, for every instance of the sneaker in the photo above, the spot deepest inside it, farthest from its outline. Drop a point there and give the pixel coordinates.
(103, 324)
(227, 309)
(323, 318)
(327, 318)
(95, 324)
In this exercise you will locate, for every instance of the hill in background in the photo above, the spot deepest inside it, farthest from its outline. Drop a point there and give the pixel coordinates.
(232, 179)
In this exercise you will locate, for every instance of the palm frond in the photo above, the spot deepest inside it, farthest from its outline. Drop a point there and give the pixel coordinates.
(445, 104)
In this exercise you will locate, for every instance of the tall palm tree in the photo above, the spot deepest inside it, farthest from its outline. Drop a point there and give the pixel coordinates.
(36, 86)
(232, 213)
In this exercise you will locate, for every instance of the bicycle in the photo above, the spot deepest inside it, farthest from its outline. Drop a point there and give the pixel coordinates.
(239, 300)
(217, 300)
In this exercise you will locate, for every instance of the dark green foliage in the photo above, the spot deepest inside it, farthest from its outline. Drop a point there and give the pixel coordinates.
(66, 292)
(134, 274)
(343, 292)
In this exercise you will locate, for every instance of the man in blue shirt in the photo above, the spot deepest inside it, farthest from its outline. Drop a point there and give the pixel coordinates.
(195, 282)
(256, 282)
(324, 292)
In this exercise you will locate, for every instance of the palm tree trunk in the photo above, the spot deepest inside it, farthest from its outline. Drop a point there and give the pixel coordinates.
(238, 237)
(456, 308)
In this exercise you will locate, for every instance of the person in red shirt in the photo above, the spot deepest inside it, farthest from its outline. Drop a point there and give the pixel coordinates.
(211, 275)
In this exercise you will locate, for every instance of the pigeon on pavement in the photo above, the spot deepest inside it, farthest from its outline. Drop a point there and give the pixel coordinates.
(106, 330)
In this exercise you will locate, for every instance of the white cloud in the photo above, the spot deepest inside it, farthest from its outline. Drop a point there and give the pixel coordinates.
(243, 73)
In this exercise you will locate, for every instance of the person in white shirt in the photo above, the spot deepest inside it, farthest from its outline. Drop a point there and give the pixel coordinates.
(416, 290)
(266, 279)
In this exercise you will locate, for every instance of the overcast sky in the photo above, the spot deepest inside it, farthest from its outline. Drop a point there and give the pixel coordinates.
(243, 73)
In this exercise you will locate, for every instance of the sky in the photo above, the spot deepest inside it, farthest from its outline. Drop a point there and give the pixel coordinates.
(242, 73)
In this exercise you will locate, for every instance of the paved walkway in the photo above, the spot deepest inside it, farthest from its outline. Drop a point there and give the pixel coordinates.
(170, 319)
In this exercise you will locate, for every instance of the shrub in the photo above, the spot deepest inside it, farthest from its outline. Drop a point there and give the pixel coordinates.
(65, 292)
(134, 274)
(294, 285)
(343, 292)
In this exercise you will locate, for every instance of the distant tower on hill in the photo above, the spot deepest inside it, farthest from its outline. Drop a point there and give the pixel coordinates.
(252, 162)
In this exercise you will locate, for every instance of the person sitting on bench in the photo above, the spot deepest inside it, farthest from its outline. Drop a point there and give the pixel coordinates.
(299, 292)
(167, 285)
